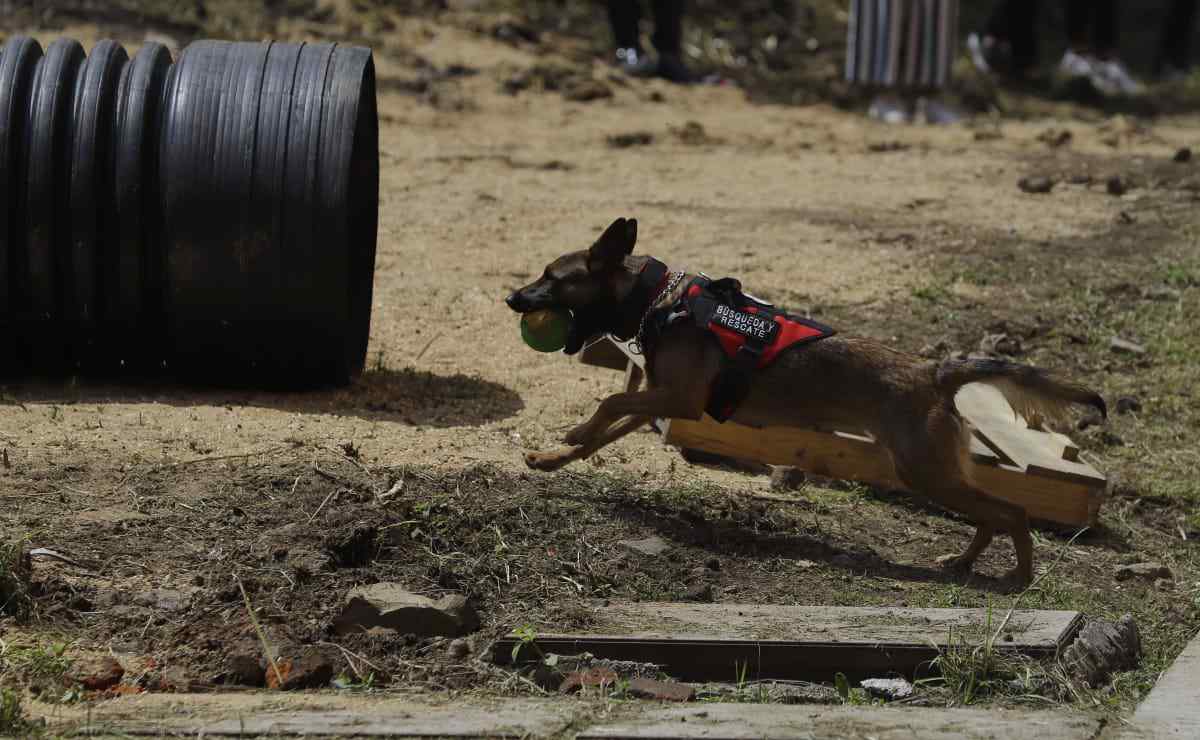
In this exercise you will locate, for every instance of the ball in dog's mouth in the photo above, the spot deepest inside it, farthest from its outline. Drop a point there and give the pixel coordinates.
(546, 330)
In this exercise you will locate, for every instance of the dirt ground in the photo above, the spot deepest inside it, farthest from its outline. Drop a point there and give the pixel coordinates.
(166, 498)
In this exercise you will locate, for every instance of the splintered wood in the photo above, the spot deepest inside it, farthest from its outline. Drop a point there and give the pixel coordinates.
(1038, 470)
(703, 642)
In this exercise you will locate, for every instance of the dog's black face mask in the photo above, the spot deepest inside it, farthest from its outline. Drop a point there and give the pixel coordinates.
(585, 284)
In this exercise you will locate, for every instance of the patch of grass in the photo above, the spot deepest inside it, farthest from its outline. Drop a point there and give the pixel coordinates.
(15, 599)
(932, 293)
(40, 668)
(12, 715)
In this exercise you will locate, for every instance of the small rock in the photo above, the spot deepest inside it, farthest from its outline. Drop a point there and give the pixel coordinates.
(586, 90)
(1146, 571)
(787, 478)
(1116, 185)
(1103, 648)
(163, 599)
(244, 668)
(1161, 293)
(648, 688)
(96, 673)
(1055, 138)
(633, 138)
(390, 606)
(309, 670)
(1090, 418)
(712, 564)
(936, 350)
(1183, 155)
(459, 648)
(649, 546)
(1128, 404)
(1124, 346)
(592, 678)
(1001, 344)
(1036, 184)
(307, 563)
(890, 689)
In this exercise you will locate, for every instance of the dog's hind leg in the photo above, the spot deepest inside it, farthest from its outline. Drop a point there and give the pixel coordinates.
(930, 458)
(548, 461)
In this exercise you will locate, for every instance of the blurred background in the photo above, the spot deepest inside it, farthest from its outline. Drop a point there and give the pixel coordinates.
(784, 51)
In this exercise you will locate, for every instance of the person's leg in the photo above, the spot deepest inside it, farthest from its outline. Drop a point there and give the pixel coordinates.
(1111, 74)
(1079, 24)
(623, 17)
(1104, 28)
(668, 26)
(1176, 53)
(1022, 34)
(668, 40)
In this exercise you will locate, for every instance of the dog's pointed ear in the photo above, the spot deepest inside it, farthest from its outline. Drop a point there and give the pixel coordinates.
(614, 244)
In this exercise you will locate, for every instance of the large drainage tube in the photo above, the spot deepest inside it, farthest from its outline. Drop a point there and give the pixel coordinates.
(213, 218)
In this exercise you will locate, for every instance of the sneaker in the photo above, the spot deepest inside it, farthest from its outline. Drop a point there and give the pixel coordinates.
(1075, 66)
(988, 54)
(938, 113)
(1118, 77)
(889, 110)
(633, 63)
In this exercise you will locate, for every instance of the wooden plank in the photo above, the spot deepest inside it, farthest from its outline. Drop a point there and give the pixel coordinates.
(604, 353)
(848, 457)
(705, 642)
(728, 721)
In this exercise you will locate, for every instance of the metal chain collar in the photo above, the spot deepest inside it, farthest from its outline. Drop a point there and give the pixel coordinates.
(636, 345)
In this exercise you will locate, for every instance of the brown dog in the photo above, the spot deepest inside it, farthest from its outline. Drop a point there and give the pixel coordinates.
(904, 402)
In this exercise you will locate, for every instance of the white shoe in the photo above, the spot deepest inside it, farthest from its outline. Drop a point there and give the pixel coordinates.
(1118, 77)
(1077, 65)
(975, 47)
(1084, 66)
(889, 110)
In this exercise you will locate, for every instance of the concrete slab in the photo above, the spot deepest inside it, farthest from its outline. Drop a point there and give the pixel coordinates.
(277, 716)
(1172, 710)
(766, 722)
(384, 716)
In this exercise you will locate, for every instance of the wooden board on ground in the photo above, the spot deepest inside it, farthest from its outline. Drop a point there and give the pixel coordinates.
(1038, 470)
(718, 642)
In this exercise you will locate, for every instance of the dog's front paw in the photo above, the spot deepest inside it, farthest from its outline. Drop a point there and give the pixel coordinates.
(578, 435)
(1015, 581)
(544, 461)
(956, 563)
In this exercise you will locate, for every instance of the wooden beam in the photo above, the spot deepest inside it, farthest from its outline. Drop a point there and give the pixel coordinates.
(706, 642)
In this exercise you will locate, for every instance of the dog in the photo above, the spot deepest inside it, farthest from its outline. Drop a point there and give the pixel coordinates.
(904, 402)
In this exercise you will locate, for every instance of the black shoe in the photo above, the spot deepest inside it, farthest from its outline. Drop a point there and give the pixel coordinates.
(672, 69)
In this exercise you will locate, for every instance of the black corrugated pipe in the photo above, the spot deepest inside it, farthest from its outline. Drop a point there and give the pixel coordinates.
(214, 217)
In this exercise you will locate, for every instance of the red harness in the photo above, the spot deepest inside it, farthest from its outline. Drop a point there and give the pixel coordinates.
(752, 333)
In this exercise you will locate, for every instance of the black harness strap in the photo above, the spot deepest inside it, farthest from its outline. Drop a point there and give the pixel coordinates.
(649, 282)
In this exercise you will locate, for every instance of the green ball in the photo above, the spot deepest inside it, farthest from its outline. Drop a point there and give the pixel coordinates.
(546, 330)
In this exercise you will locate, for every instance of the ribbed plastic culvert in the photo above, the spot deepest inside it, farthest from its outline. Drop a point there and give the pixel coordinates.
(212, 217)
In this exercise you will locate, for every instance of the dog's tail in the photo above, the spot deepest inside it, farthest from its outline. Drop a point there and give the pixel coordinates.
(1032, 392)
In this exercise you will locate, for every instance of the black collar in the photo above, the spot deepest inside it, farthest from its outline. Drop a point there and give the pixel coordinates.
(649, 285)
